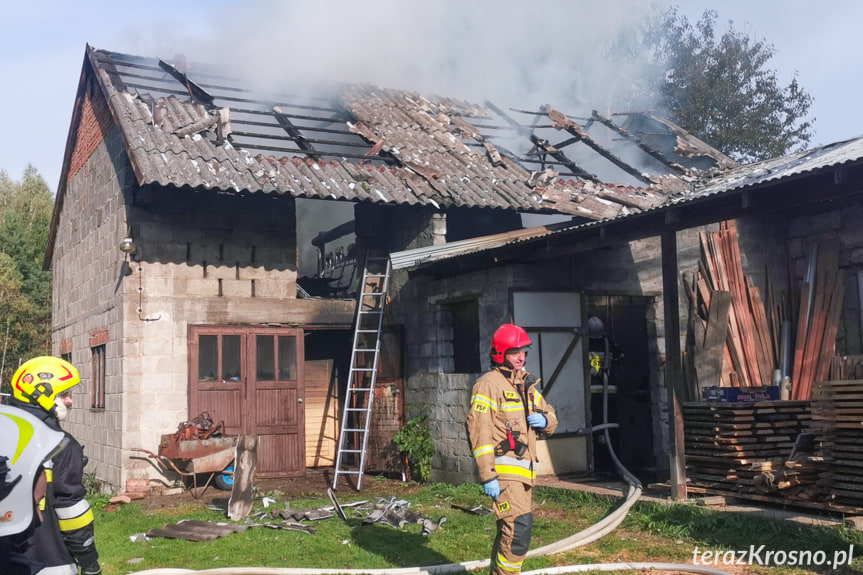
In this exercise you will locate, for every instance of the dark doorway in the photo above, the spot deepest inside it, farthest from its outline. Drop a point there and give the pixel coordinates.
(625, 322)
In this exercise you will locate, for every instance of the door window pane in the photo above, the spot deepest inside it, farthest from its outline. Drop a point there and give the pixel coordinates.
(208, 357)
(230, 358)
(287, 357)
(266, 359)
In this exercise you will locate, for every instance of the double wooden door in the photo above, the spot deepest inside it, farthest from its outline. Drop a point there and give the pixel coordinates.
(251, 378)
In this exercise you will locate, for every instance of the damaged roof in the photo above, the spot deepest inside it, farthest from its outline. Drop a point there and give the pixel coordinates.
(186, 125)
(843, 159)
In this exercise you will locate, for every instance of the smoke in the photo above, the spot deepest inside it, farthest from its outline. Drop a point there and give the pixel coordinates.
(512, 53)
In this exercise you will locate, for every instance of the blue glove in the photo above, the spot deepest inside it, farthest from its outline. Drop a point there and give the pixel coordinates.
(537, 421)
(492, 488)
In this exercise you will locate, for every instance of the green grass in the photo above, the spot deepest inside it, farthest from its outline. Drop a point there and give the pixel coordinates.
(651, 532)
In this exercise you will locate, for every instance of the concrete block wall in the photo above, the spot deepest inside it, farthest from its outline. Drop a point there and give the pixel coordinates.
(421, 306)
(88, 269)
(839, 225)
(201, 259)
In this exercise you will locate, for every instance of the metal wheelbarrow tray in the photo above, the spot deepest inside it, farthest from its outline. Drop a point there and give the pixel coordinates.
(192, 457)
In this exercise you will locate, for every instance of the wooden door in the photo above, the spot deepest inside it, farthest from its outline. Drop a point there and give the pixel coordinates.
(251, 379)
(275, 410)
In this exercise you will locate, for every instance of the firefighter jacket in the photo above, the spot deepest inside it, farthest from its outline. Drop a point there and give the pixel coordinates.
(503, 444)
(65, 539)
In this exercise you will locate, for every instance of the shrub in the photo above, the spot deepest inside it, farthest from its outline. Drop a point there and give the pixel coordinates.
(414, 442)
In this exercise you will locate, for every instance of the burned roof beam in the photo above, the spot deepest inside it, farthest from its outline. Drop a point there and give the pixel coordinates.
(653, 153)
(293, 132)
(309, 141)
(339, 131)
(195, 91)
(324, 154)
(545, 147)
(568, 142)
(518, 127)
(335, 233)
(563, 122)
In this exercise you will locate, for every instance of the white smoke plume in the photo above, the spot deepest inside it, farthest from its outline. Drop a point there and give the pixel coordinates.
(512, 53)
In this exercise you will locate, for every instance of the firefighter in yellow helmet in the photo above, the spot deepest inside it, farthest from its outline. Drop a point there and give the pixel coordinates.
(65, 541)
(507, 413)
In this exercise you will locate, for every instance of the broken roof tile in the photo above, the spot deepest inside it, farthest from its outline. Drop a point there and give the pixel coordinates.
(358, 143)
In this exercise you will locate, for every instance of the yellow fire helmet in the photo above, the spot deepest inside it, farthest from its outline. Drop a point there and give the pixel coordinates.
(41, 379)
(25, 443)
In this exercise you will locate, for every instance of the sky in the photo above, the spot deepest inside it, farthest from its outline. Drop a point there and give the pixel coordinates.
(509, 52)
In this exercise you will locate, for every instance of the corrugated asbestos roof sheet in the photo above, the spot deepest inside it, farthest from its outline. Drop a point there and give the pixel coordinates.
(412, 258)
(751, 176)
(193, 127)
(785, 167)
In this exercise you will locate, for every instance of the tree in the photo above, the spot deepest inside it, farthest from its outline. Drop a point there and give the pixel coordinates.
(25, 290)
(720, 90)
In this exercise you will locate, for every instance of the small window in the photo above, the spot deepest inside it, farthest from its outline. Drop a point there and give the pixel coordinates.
(66, 357)
(465, 337)
(216, 367)
(97, 371)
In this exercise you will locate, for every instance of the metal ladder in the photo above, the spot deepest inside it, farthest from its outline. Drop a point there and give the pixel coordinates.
(357, 411)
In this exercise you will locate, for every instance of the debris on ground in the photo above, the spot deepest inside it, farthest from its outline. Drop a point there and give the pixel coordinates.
(196, 530)
(476, 510)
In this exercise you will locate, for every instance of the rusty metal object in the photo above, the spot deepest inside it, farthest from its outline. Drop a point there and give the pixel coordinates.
(190, 457)
(200, 427)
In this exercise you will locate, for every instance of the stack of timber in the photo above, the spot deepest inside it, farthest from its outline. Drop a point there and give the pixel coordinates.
(734, 337)
(821, 300)
(793, 479)
(729, 444)
(846, 367)
(837, 415)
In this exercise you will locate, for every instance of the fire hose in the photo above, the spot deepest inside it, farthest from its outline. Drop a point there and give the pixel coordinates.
(596, 531)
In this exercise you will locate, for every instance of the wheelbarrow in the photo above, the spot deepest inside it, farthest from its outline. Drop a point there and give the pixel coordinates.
(190, 458)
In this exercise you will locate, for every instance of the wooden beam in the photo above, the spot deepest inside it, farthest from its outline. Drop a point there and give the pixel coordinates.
(708, 360)
(673, 367)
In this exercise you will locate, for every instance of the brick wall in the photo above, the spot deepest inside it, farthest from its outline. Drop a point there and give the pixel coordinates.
(94, 124)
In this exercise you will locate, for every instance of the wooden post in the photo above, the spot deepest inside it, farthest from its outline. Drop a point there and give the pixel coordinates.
(240, 502)
(673, 366)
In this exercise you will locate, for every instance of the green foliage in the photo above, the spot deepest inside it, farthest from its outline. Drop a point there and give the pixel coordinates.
(25, 290)
(719, 88)
(651, 532)
(414, 441)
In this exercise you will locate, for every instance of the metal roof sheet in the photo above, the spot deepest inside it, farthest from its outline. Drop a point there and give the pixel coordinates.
(752, 176)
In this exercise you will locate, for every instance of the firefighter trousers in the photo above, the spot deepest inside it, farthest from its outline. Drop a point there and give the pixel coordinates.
(514, 512)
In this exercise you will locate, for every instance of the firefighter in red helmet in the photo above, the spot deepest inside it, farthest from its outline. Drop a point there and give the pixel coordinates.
(507, 413)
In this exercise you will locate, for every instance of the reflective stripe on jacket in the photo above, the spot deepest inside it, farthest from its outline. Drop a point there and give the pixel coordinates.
(497, 408)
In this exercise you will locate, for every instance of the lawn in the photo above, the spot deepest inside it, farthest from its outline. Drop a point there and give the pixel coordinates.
(651, 532)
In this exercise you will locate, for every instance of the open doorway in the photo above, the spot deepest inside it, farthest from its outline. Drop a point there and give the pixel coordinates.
(625, 322)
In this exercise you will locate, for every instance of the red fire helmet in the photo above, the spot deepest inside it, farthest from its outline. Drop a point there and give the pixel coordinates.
(506, 338)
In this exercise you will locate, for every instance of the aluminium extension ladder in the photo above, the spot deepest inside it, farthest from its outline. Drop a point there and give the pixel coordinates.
(365, 353)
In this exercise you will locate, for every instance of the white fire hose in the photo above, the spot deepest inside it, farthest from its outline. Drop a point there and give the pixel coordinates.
(596, 531)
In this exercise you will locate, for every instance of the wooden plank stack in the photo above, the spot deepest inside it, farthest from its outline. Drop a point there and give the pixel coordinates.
(729, 444)
(837, 415)
(736, 340)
